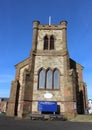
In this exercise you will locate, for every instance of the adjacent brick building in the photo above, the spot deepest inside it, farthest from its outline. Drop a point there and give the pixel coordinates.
(3, 104)
(48, 75)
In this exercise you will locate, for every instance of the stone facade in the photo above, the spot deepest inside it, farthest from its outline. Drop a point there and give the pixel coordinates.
(71, 96)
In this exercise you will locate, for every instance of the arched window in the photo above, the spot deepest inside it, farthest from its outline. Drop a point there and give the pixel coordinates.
(45, 43)
(49, 79)
(56, 79)
(41, 76)
(51, 42)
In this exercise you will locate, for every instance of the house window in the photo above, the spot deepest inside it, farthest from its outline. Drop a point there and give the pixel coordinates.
(49, 42)
(48, 79)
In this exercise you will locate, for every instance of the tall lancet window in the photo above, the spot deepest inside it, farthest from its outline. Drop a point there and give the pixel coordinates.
(49, 79)
(45, 43)
(41, 84)
(56, 79)
(51, 42)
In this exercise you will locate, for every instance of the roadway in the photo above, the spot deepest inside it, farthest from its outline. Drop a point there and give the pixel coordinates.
(7, 123)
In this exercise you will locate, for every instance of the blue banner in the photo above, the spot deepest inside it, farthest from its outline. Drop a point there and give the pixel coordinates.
(47, 106)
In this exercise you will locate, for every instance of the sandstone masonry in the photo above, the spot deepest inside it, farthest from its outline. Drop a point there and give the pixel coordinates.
(49, 56)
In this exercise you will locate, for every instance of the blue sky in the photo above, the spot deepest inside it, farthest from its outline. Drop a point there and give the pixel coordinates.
(16, 17)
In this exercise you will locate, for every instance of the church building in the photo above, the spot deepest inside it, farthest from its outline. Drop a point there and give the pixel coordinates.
(48, 81)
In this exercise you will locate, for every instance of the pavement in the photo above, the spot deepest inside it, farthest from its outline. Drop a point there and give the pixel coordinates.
(8, 123)
(82, 118)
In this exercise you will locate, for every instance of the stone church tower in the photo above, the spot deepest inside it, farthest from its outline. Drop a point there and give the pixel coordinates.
(48, 76)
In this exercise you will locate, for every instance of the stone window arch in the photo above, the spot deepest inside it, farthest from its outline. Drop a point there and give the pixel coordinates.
(41, 79)
(51, 42)
(46, 42)
(56, 78)
(49, 79)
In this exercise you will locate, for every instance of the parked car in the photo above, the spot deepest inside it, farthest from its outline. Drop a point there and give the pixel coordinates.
(90, 111)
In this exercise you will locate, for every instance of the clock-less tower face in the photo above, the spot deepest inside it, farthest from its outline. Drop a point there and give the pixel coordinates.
(49, 63)
(57, 39)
